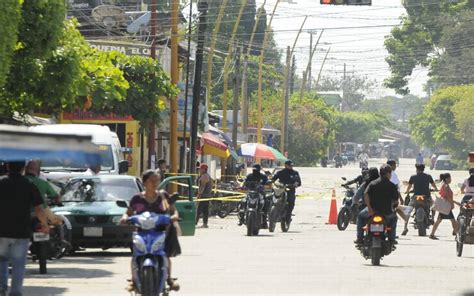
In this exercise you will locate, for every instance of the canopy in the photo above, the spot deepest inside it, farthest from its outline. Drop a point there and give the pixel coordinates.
(212, 145)
(18, 143)
(260, 151)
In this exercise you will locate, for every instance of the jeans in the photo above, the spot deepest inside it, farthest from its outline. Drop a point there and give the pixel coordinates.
(363, 218)
(13, 251)
(203, 208)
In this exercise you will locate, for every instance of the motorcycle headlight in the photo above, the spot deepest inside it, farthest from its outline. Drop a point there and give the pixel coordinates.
(147, 223)
(139, 244)
(158, 243)
(116, 219)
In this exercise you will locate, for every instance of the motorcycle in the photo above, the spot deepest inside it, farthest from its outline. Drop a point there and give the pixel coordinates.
(253, 210)
(376, 244)
(50, 246)
(363, 164)
(338, 163)
(422, 215)
(279, 208)
(224, 208)
(348, 212)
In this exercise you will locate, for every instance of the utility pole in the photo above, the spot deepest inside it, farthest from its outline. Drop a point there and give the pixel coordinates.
(292, 79)
(174, 80)
(151, 128)
(202, 7)
(286, 91)
(303, 83)
(245, 107)
(322, 66)
(182, 157)
(310, 65)
(260, 74)
(243, 4)
(235, 108)
(284, 128)
(211, 50)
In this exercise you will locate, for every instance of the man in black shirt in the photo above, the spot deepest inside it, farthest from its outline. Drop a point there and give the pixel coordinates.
(289, 176)
(421, 186)
(379, 197)
(18, 196)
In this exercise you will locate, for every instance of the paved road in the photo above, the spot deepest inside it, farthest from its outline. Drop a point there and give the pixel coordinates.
(312, 259)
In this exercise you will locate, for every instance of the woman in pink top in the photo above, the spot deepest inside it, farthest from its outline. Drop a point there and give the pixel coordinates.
(446, 193)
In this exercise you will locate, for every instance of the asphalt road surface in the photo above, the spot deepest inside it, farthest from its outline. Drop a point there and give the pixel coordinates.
(312, 259)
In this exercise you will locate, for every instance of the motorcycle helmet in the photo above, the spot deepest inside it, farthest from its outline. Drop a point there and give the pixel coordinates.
(289, 162)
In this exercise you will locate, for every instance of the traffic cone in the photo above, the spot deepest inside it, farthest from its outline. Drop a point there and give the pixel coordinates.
(333, 209)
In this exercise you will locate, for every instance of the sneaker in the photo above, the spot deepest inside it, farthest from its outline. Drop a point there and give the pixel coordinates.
(358, 242)
(205, 226)
(405, 231)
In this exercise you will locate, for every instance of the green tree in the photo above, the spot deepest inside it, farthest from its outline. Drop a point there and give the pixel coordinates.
(353, 88)
(435, 35)
(446, 121)
(8, 34)
(149, 89)
(359, 127)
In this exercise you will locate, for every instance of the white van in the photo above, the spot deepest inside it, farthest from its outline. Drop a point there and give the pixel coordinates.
(112, 154)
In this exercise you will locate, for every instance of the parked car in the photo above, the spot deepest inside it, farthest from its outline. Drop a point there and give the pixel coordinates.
(94, 206)
(443, 162)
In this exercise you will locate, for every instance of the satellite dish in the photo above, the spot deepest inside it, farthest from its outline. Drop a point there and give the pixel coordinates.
(140, 22)
(109, 16)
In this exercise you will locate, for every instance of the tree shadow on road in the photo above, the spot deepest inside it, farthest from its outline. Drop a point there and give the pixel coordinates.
(40, 291)
(68, 272)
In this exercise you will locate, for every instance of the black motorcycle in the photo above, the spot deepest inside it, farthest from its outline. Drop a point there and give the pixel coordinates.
(422, 219)
(348, 212)
(279, 209)
(254, 217)
(376, 244)
(223, 208)
(50, 246)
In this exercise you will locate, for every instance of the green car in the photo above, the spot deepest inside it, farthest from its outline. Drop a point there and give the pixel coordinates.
(95, 204)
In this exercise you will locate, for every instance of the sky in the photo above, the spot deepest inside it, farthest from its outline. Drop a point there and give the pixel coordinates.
(361, 49)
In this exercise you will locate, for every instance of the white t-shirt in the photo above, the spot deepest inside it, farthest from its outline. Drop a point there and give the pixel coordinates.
(467, 188)
(394, 179)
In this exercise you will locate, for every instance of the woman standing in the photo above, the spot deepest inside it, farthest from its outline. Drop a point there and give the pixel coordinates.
(467, 187)
(446, 193)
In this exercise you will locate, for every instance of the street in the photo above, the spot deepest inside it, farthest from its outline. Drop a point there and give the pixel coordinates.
(312, 259)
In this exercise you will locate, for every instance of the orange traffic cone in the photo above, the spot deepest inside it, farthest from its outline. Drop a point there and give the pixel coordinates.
(333, 209)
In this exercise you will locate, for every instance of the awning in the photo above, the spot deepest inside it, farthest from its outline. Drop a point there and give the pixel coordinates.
(18, 143)
(212, 145)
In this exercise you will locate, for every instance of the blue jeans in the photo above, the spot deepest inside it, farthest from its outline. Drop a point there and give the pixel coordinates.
(13, 251)
(363, 218)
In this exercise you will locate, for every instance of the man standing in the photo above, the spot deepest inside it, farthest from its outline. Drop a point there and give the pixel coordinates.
(421, 186)
(161, 171)
(419, 158)
(290, 177)
(18, 197)
(379, 198)
(204, 192)
(395, 180)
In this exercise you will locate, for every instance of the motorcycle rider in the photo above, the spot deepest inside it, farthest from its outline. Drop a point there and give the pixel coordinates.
(252, 180)
(338, 159)
(369, 176)
(288, 176)
(379, 198)
(364, 159)
(421, 186)
(359, 179)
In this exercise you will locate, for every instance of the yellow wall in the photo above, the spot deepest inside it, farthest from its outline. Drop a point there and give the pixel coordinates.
(131, 134)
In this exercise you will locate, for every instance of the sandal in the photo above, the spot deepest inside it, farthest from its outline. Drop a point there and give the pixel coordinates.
(174, 286)
(433, 237)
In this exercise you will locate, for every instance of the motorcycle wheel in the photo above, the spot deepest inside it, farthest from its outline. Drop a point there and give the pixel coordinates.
(272, 220)
(250, 223)
(421, 229)
(148, 281)
(343, 219)
(42, 257)
(460, 236)
(375, 256)
(285, 225)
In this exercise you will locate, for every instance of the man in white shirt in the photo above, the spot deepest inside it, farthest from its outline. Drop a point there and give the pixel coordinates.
(394, 179)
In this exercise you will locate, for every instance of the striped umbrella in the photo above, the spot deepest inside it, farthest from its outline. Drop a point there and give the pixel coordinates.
(260, 151)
